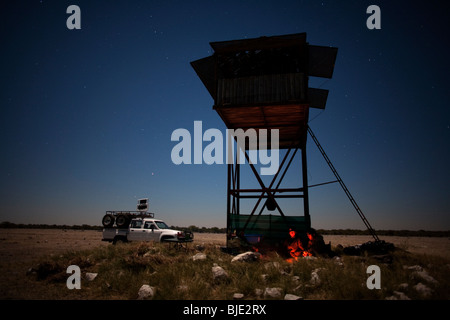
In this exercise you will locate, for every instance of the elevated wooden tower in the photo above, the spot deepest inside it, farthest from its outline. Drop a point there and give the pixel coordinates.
(262, 83)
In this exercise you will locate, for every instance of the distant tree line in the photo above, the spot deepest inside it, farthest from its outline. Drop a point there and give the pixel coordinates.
(195, 229)
(10, 225)
(398, 233)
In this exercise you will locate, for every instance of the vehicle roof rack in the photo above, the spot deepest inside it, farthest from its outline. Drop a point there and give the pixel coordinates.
(134, 214)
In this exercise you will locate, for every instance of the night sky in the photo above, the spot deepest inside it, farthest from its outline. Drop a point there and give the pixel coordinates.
(87, 115)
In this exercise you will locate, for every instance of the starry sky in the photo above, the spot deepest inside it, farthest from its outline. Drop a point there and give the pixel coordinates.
(87, 115)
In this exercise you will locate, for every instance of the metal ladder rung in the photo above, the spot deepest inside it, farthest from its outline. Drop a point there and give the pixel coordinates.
(341, 182)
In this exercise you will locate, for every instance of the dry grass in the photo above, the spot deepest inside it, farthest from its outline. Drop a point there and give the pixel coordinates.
(124, 268)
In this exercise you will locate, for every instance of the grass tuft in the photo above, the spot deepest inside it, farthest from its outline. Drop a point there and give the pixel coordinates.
(123, 268)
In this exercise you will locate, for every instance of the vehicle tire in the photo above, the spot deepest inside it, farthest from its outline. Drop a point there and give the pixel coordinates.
(108, 220)
(122, 221)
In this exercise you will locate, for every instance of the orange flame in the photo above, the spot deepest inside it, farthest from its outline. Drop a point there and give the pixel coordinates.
(296, 249)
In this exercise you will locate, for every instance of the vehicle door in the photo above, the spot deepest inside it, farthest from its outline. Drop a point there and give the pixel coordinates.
(152, 232)
(137, 232)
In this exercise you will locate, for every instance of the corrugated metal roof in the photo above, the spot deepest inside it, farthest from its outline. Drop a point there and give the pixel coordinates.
(259, 43)
(263, 83)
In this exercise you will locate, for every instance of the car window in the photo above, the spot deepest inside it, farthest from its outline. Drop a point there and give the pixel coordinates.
(148, 225)
(136, 224)
(161, 225)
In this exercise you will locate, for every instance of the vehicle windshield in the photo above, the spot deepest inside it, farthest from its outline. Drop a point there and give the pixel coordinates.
(162, 225)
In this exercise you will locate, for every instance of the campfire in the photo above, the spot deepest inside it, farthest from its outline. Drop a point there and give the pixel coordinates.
(297, 248)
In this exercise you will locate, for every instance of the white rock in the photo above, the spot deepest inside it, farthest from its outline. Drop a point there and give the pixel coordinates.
(398, 296)
(423, 289)
(275, 293)
(199, 256)
(89, 276)
(219, 274)
(425, 276)
(413, 268)
(289, 296)
(146, 292)
(338, 261)
(246, 256)
(401, 296)
(315, 279)
(238, 296)
(403, 286)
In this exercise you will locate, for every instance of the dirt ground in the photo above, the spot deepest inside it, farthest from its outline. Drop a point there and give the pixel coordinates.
(420, 245)
(24, 245)
(21, 248)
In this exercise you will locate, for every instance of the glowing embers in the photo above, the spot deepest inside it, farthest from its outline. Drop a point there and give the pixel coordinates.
(297, 248)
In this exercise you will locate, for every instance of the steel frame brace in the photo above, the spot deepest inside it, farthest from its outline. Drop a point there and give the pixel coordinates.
(271, 193)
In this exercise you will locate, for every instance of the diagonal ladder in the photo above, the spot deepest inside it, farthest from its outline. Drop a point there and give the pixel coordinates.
(347, 192)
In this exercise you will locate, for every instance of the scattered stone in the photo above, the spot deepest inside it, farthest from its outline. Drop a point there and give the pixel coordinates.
(315, 279)
(219, 274)
(264, 277)
(247, 256)
(238, 296)
(199, 256)
(89, 276)
(146, 292)
(274, 293)
(289, 296)
(398, 296)
(296, 279)
(258, 292)
(401, 295)
(338, 261)
(424, 276)
(423, 289)
(413, 268)
(403, 286)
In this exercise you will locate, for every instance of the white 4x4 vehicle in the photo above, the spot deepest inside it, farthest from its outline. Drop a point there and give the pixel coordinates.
(143, 229)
